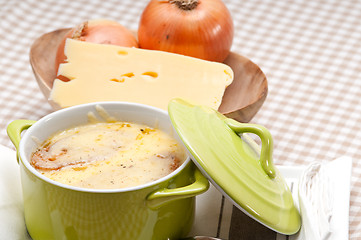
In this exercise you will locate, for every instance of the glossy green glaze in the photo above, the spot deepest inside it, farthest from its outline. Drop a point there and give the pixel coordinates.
(53, 212)
(160, 210)
(247, 178)
(14, 130)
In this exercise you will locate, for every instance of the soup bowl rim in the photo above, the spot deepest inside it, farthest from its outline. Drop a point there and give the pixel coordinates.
(27, 136)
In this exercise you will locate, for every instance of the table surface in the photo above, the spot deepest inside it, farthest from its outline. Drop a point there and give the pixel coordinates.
(310, 52)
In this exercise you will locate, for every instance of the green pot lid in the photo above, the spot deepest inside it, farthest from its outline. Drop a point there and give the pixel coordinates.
(244, 176)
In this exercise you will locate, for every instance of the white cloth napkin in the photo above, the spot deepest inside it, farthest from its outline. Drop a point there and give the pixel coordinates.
(11, 201)
(323, 198)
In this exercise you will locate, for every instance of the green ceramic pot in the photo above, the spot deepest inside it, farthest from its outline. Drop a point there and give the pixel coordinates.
(163, 209)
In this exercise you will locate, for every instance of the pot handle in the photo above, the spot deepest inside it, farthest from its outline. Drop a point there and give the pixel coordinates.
(14, 131)
(161, 197)
(266, 139)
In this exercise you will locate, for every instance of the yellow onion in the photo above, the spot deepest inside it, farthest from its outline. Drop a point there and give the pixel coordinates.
(197, 28)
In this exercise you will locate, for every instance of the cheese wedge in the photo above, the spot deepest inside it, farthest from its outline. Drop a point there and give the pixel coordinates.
(100, 72)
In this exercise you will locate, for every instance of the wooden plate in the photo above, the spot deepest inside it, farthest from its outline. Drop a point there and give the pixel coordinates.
(241, 101)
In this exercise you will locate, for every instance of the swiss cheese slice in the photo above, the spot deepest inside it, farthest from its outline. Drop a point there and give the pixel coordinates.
(101, 72)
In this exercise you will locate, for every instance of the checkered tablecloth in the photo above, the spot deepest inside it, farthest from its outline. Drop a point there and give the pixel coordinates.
(310, 52)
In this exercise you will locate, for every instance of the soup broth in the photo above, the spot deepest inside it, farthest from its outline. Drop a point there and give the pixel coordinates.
(108, 155)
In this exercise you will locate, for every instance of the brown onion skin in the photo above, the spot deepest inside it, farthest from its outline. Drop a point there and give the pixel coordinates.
(204, 32)
(99, 31)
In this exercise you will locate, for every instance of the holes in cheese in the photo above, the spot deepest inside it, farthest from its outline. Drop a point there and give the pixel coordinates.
(123, 77)
(122, 52)
(128, 74)
(150, 74)
(146, 76)
(117, 80)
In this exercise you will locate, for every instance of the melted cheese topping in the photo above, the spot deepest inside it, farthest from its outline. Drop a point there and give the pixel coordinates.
(108, 155)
